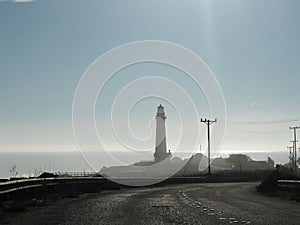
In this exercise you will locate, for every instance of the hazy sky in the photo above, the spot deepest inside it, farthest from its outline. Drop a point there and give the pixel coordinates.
(46, 45)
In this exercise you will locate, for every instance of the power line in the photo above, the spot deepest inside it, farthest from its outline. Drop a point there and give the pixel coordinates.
(264, 122)
(259, 132)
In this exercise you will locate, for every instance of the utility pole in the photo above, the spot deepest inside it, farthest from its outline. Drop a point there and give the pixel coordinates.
(299, 158)
(208, 123)
(295, 146)
(291, 157)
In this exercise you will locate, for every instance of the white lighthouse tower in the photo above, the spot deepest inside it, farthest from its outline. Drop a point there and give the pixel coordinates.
(160, 142)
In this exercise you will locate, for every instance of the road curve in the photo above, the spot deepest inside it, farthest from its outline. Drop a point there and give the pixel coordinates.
(228, 203)
(236, 203)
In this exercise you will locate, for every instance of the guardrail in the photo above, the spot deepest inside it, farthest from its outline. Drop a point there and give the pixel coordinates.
(46, 181)
(75, 174)
(29, 188)
(289, 185)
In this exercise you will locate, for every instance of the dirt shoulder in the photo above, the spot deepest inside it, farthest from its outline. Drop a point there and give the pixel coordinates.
(46, 213)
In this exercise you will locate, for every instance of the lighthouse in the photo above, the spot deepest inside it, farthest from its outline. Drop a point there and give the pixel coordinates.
(160, 141)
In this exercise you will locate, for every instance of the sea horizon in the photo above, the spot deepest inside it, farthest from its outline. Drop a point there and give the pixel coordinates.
(31, 163)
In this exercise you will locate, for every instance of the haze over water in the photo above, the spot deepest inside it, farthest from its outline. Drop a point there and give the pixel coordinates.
(34, 162)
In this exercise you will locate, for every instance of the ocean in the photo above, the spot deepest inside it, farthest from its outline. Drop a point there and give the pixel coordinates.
(33, 163)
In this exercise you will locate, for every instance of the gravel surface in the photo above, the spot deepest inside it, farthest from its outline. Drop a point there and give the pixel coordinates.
(230, 203)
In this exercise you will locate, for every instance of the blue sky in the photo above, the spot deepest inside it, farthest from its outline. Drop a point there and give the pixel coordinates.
(46, 45)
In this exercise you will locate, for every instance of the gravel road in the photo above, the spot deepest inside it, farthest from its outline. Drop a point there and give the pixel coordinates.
(229, 203)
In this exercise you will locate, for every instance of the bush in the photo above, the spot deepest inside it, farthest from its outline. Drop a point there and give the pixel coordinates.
(269, 184)
(13, 206)
(47, 175)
